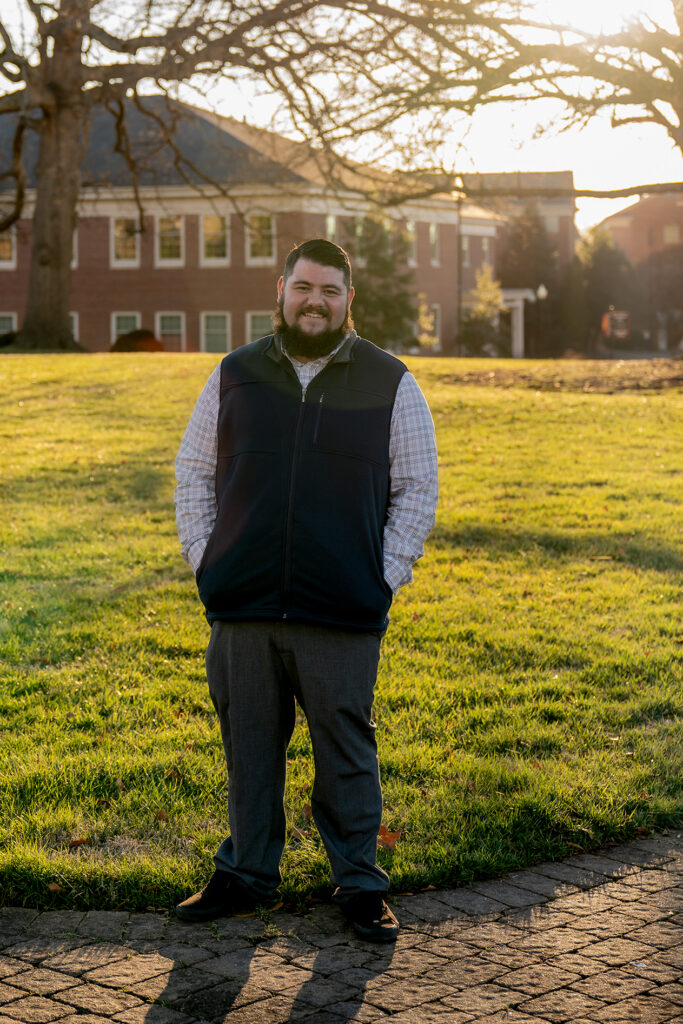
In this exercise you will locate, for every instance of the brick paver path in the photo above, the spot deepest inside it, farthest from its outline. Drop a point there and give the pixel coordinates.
(597, 939)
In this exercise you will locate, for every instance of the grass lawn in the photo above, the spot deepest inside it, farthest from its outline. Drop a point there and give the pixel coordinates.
(530, 699)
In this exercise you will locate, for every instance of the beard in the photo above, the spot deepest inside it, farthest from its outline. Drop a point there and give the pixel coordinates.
(309, 346)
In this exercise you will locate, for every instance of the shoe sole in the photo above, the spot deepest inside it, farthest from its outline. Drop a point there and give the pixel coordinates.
(370, 935)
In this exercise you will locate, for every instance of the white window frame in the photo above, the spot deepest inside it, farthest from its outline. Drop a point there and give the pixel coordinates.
(465, 251)
(331, 227)
(214, 261)
(170, 312)
(13, 319)
(114, 334)
(202, 328)
(74, 249)
(671, 234)
(11, 263)
(248, 316)
(175, 261)
(434, 244)
(411, 242)
(122, 264)
(260, 261)
(75, 326)
(486, 252)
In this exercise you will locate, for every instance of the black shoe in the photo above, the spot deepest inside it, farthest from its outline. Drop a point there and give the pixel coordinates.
(222, 896)
(370, 916)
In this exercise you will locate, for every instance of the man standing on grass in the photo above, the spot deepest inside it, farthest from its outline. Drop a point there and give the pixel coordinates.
(307, 483)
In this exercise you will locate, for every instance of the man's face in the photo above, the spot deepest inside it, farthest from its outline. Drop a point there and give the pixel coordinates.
(314, 299)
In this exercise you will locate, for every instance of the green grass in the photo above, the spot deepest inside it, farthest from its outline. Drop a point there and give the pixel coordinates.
(529, 699)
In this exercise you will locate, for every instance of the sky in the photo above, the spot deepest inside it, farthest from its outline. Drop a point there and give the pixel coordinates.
(502, 137)
(600, 156)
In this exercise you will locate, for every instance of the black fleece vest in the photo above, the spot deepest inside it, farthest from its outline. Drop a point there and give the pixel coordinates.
(302, 486)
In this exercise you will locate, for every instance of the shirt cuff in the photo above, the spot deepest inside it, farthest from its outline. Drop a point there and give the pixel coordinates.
(195, 553)
(396, 572)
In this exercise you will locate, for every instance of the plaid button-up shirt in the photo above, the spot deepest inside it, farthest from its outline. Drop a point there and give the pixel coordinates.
(412, 468)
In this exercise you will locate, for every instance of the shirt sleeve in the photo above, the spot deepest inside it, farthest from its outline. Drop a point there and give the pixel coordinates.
(414, 483)
(195, 469)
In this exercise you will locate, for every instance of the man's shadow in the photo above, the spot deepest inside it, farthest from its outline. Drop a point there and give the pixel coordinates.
(243, 967)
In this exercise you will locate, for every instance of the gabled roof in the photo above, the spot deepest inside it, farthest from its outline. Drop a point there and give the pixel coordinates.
(175, 144)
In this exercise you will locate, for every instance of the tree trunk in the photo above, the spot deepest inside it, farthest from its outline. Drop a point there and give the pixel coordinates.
(62, 128)
(46, 323)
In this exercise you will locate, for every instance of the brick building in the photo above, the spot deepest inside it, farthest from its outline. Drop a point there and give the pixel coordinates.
(648, 226)
(557, 213)
(201, 273)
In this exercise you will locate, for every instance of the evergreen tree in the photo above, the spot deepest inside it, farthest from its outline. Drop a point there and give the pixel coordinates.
(384, 307)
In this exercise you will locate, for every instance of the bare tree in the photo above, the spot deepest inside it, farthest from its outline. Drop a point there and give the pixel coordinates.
(340, 68)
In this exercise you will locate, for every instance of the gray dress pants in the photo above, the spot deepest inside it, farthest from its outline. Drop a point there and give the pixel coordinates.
(256, 672)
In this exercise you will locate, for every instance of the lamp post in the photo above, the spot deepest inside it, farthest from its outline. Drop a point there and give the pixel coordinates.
(541, 296)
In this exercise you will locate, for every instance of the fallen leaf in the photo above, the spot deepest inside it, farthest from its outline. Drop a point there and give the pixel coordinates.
(386, 839)
(296, 834)
(642, 832)
(575, 846)
(162, 816)
(429, 888)
(55, 887)
(103, 803)
(79, 842)
(307, 812)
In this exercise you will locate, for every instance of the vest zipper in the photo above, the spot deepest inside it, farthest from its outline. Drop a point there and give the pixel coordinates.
(317, 419)
(290, 505)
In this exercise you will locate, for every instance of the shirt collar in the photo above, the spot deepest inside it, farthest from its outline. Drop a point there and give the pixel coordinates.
(341, 354)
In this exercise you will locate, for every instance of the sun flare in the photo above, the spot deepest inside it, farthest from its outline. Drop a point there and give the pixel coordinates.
(605, 15)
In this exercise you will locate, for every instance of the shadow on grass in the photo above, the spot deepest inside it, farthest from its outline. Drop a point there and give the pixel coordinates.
(637, 551)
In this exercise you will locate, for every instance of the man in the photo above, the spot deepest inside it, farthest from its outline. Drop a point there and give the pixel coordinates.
(307, 484)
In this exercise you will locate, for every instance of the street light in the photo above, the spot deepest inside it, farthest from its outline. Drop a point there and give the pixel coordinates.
(541, 295)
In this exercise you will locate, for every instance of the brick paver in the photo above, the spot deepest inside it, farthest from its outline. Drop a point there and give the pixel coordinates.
(597, 939)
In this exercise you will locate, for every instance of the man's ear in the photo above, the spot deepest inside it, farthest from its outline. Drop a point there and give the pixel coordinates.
(280, 287)
(352, 292)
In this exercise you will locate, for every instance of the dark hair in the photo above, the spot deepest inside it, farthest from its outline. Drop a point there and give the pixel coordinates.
(322, 251)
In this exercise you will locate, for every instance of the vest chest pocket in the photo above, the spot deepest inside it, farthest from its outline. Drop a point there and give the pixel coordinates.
(352, 424)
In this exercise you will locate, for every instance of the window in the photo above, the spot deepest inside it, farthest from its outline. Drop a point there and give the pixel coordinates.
(215, 241)
(8, 323)
(170, 330)
(8, 250)
(124, 323)
(215, 332)
(260, 240)
(465, 250)
(258, 326)
(410, 236)
(360, 240)
(671, 234)
(486, 252)
(74, 251)
(73, 323)
(331, 227)
(434, 249)
(169, 250)
(552, 223)
(124, 249)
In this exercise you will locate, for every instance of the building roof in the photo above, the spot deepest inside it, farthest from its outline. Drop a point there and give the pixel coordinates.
(175, 144)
